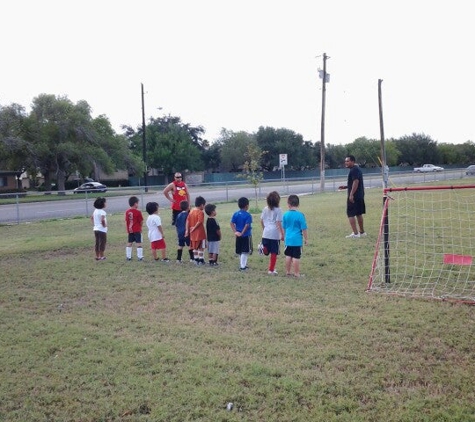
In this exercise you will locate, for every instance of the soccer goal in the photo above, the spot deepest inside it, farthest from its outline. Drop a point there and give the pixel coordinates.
(426, 243)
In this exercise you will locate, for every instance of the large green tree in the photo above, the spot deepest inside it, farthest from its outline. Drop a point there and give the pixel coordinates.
(66, 139)
(112, 149)
(301, 154)
(449, 154)
(417, 149)
(465, 152)
(14, 150)
(59, 137)
(171, 145)
(392, 153)
(60, 133)
(234, 146)
(212, 157)
(368, 152)
(335, 155)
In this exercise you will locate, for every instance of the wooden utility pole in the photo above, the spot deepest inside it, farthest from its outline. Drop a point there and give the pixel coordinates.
(385, 169)
(385, 172)
(144, 145)
(322, 132)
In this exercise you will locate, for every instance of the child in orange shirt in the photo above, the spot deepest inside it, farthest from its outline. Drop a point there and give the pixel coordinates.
(195, 228)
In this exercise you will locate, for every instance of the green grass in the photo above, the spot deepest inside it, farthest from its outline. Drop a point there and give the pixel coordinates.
(126, 341)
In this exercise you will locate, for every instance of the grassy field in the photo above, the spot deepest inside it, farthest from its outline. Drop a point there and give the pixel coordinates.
(142, 341)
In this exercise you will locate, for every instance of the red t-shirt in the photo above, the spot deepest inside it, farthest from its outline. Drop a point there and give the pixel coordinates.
(133, 220)
(179, 194)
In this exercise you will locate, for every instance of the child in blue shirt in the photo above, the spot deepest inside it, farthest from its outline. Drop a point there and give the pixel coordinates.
(180, 224)
(241, 225)
(295, 228)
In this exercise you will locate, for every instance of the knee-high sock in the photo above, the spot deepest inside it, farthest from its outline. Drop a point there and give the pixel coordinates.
(244, 260)
(272, 261)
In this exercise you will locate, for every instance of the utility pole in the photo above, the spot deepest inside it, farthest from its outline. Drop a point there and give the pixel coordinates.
(144, 145)
(385, 168)
(323, 75)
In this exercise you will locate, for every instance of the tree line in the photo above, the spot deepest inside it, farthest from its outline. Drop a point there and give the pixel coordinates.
(59, 138)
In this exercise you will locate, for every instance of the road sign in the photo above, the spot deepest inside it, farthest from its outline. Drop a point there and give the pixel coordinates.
(282, 159)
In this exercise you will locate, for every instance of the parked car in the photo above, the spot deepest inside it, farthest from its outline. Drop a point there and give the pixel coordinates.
(470, 170)
(428, 168)
(91, 187)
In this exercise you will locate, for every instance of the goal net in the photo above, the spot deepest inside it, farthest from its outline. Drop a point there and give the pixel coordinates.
(426, 243)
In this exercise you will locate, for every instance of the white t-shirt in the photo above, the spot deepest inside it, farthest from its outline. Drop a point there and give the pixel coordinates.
(153, 223)
(270, 218)
(97, 219)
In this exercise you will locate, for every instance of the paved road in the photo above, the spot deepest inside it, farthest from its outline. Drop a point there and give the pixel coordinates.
(83, 206)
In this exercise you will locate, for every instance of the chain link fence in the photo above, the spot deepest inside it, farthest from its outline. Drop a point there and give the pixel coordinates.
(33, 206)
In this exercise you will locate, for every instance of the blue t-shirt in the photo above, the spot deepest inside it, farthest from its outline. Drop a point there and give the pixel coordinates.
(293, 222)
(240, 219)
(180, 224)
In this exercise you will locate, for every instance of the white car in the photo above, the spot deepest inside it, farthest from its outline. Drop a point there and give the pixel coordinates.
(428, 168)
(470, 170)
(91, 187)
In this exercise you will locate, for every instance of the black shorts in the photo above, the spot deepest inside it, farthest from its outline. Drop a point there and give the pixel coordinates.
(175, 215)
(293, 251)
(356, 208)
(244, 245)
(183, 241)
(135, 237)
(272, 245)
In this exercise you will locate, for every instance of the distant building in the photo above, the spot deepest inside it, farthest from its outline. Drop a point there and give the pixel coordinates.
(9, 180)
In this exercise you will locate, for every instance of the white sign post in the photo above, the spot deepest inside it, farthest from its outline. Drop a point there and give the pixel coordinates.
(283, 160)
(282, 164)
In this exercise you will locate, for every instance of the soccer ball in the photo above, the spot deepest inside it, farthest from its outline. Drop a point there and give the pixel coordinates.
(260, 249)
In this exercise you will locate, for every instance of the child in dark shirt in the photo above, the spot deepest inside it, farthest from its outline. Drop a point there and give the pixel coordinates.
(213, 232)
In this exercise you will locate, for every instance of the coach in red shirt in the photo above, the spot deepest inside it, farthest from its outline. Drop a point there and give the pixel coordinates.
(179, 192)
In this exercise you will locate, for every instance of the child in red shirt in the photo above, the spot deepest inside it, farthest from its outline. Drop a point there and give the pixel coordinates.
(133, 224)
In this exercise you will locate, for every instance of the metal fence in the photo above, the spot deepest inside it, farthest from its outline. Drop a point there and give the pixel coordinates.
(34, 206)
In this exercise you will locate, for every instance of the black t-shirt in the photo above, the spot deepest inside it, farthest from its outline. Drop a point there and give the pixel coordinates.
(212, 228)
(356, 174)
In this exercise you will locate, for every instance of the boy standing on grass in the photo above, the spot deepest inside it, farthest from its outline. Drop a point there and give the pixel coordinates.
(241, 225)
(99, 221)
(180, 224)
(295, 227)
(196, 230)
(213, 232)
(133, 224)
(155, 232)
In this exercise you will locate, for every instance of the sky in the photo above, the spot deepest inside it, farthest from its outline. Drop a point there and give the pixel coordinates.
(243, 64)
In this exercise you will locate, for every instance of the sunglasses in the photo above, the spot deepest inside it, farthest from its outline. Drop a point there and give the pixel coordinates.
(178, 177)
